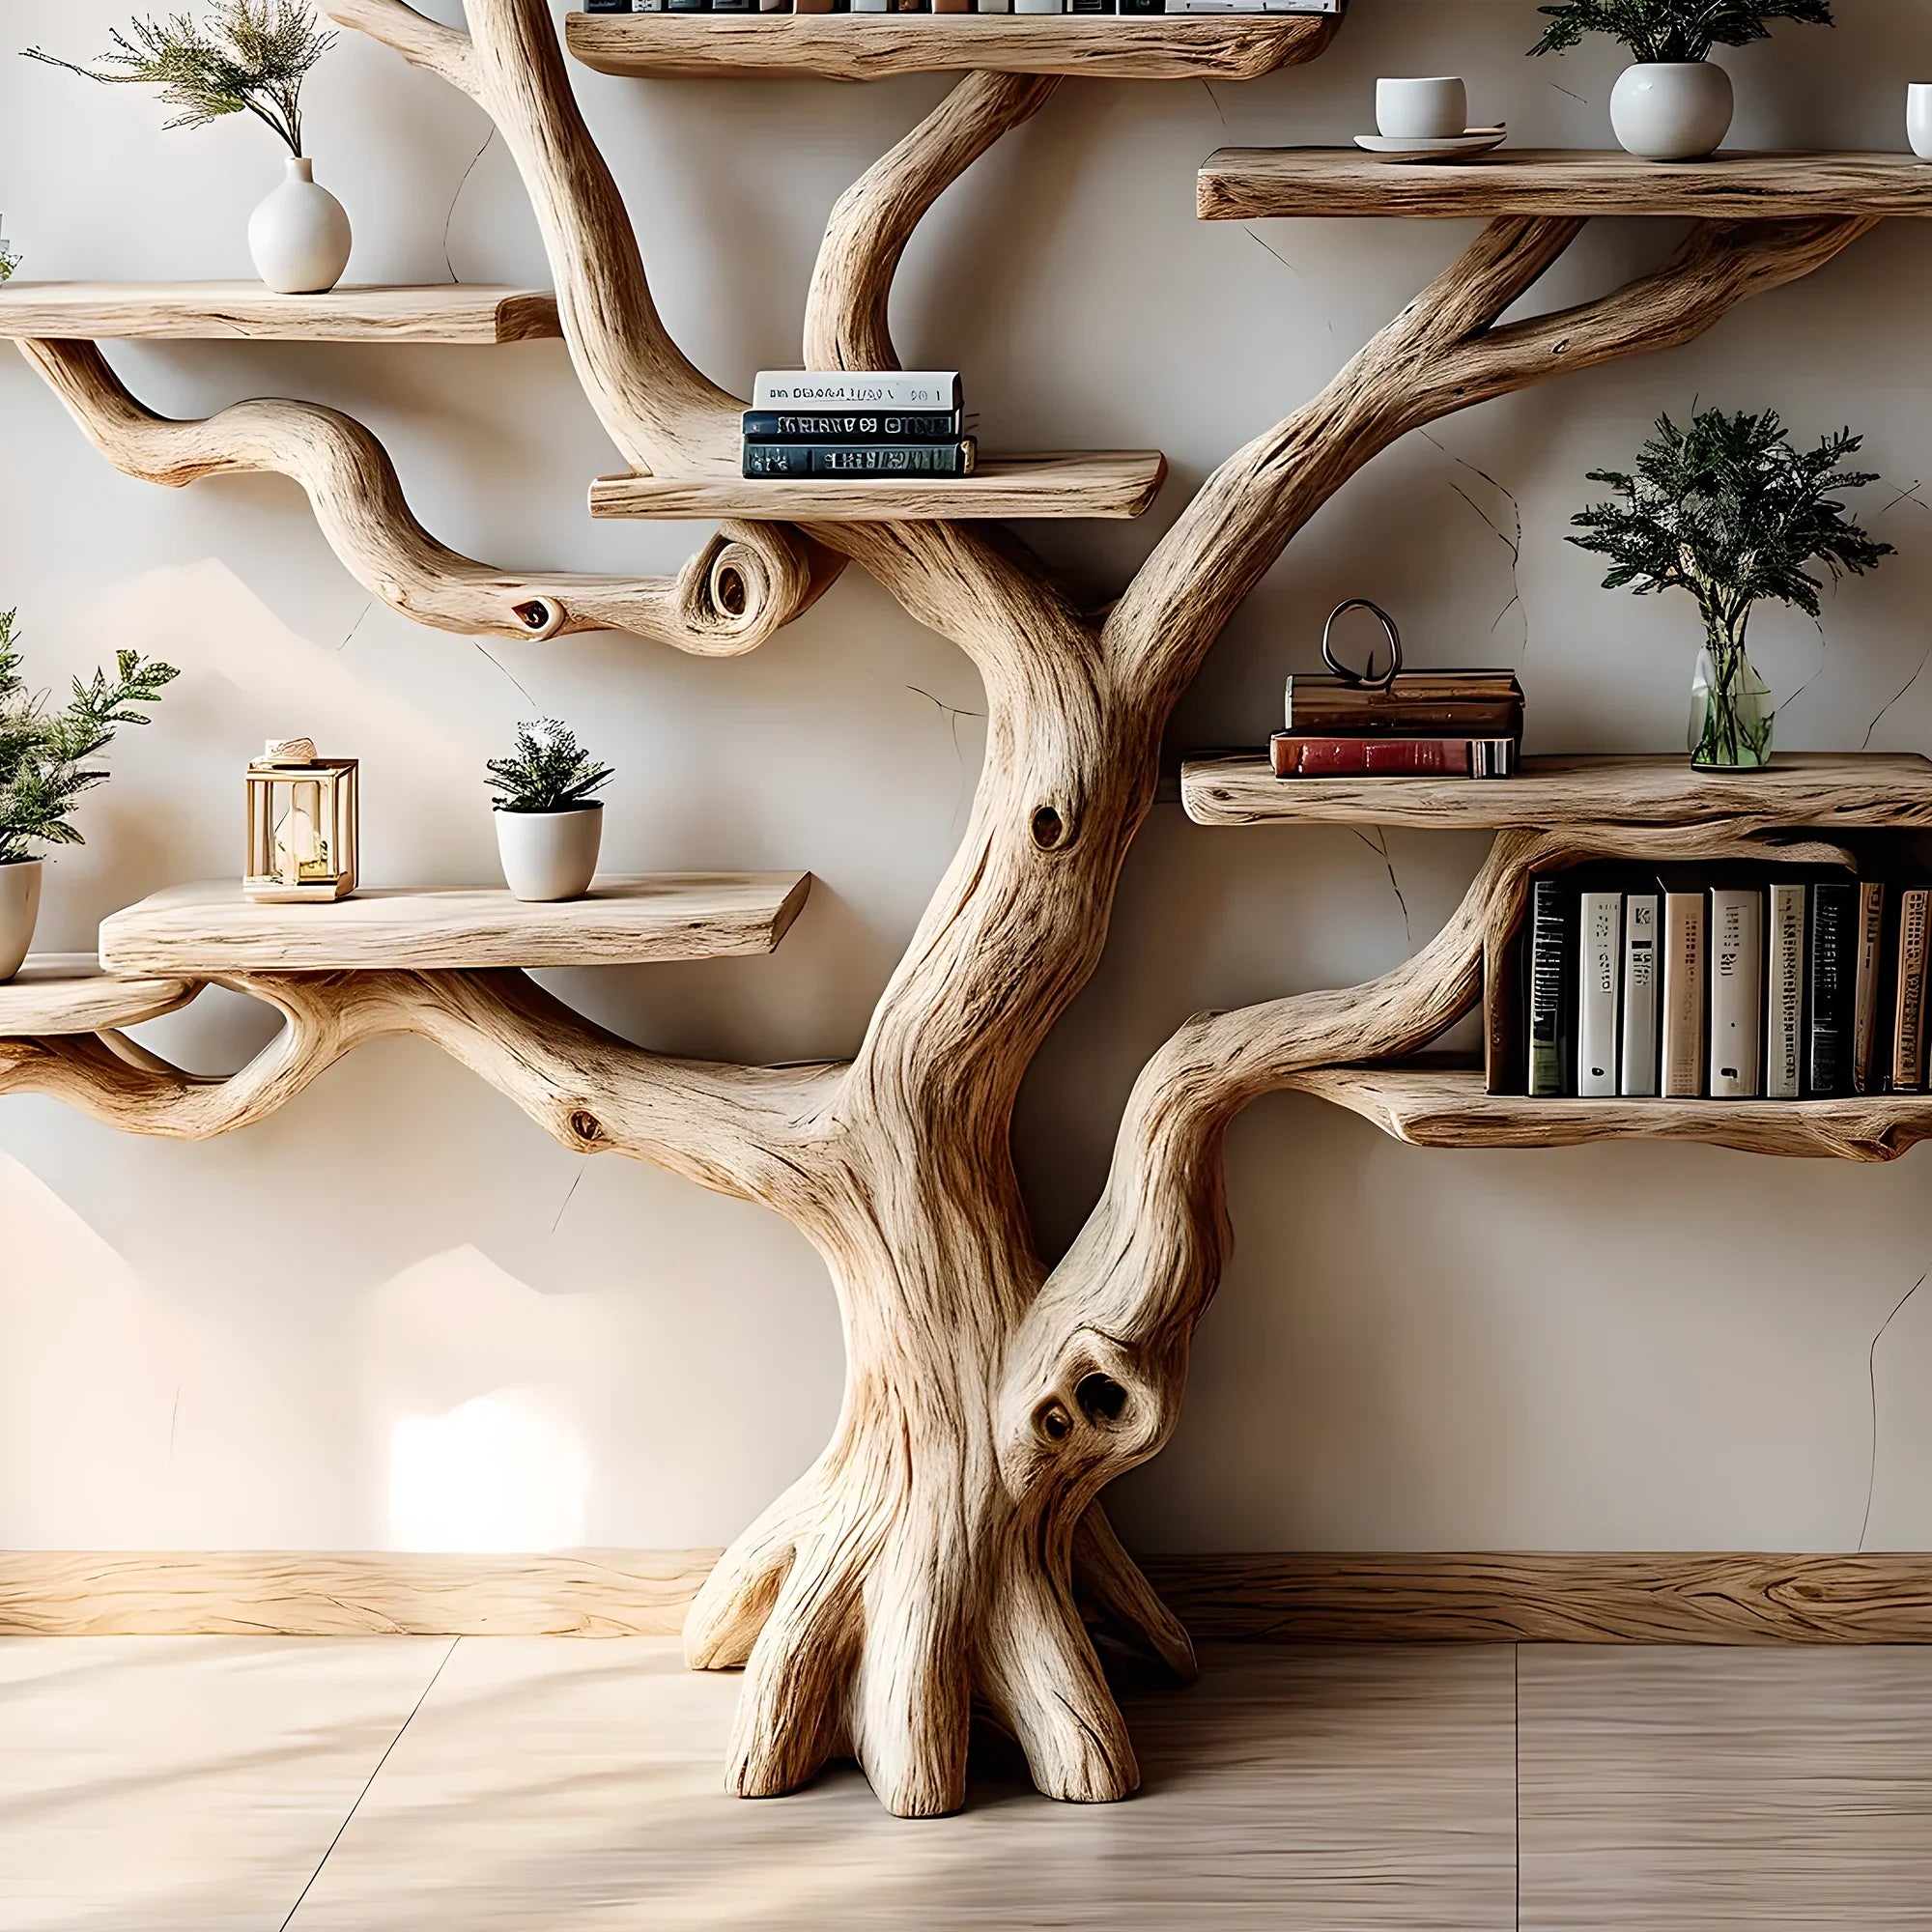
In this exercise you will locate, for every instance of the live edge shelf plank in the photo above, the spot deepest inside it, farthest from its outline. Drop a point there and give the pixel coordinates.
(58, 993)
(1870, 790)
(860, 47)
(223, 311)
(1103, 483)
(1436, 1107)
(209, 929)
(1248, 184)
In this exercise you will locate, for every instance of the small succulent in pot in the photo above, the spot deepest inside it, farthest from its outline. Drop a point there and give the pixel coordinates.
(549, 824)
(47, 765)
(1729, 510)
(1674, 104)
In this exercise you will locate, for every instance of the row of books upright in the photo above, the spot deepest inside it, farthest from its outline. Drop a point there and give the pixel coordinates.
(1424, 724)
(897, 423)
(963, 6)
(1778, 984)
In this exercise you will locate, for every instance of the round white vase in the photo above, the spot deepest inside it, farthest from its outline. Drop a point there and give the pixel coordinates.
(1918, 119)
(300, 236)
(19, 909)
(1673, 111)
(549, 855)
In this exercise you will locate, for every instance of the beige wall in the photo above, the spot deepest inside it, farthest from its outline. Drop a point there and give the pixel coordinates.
(399, 1315)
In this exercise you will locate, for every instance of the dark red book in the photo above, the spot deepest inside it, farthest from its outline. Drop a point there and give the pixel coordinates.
(1300, 754)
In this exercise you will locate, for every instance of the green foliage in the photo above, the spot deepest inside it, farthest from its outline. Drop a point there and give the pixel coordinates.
(549, 771)
(44, 754)
(251, 56)
(9, 260)
(1728, 510)
(1674, 30)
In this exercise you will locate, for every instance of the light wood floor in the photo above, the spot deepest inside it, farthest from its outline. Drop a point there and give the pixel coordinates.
(195, 1784)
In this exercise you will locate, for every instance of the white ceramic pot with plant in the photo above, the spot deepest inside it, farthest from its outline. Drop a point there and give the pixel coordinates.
(253, 57)
(46, 762)
(550, 827)
(1730, 511)
(1675, 103)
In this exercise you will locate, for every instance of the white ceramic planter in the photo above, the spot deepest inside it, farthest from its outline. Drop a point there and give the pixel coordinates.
(1918, 119)
(19, 908)
(299, 237)
(1679, 111)
(549, 855)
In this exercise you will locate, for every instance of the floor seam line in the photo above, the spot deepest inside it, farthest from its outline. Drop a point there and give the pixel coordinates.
(349, 1819)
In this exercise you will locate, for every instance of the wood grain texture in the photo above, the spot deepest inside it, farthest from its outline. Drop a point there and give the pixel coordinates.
(1251, 184)
(1108, 483)
(1870, 790)
(1436, 1107)
(217, 311)
(620, 921)
(846, 46)
(57, 993)
(1663, 1788)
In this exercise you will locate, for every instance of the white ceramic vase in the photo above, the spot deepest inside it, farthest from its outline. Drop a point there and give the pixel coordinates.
(300, 236)
(19, 908)
(1918, 119)
(1673, 111)
(549, 855)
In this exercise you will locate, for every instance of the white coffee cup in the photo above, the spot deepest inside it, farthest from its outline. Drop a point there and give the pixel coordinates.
(1422, 110)
(1918, 119)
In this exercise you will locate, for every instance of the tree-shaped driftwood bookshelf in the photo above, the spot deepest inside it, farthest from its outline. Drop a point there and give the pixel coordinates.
(949, 1551)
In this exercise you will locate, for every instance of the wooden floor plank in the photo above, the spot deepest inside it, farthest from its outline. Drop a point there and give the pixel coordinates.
(186, 1784)
(573, 1787)
(1698, 1788)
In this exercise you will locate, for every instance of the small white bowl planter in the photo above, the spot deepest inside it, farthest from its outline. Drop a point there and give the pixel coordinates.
(19, 909)
(549, 855)
(1673, 111)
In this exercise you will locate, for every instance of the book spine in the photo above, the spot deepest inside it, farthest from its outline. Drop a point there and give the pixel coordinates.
(1600, 923)
(1548, 981)
(1683, 996)
(861, 458)
(865, 426)
(1295, 755)
(1638, 1076)
(1828, 979)
(1737, 993)
(1866, 981)
(1143, 5)
(1784, 996)
(994, 7)
(1907, 1040)
(1344, 712)
(812, 390)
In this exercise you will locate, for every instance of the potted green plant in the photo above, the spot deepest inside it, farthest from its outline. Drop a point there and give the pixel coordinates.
(549, 826)
(1728, 510)
(1675, 103)
(253, 57)
(44, 767)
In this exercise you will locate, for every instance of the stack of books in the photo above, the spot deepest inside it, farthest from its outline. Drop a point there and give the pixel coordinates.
(1773, 983)
(1427, 723)
(898, 423)
(963, 6)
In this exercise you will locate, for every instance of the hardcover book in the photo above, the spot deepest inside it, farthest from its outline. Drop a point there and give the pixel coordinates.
(1640, 1031)
(1301, 756)
(857, 388)
(1683, 1055)
(1908, 1038)
(1828, 978)
(1476, 704)
(1785, 994)
(860, 458)
(1599, 919)
(1866, 1015)
(854, 426)
(1549, 949)
(1736, 942)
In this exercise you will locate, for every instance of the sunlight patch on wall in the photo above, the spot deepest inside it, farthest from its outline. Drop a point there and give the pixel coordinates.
(500, 1473)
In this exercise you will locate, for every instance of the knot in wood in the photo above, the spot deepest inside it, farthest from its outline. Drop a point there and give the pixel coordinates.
(1052, 830)
(538, 615)
(586, 1126)
(1051, 1422)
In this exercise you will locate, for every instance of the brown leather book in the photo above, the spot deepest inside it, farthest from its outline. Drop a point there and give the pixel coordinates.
(1478, 703)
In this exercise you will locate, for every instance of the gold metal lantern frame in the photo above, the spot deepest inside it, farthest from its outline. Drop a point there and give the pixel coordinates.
(304, 830)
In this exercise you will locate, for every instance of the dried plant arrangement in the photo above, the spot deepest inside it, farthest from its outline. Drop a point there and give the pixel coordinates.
(1668, 32)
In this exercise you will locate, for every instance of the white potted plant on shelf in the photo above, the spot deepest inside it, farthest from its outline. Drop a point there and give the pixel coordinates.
(45, 765)
(1729, 511)
(549, 826)
(1676, 103)
(253, 57)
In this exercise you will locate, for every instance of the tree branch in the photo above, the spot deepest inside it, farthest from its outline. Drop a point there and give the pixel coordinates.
(743, 587)
(443, 51)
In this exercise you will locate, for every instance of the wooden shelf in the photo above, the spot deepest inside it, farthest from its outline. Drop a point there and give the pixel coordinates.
(210, 928)
(1873, 790)
(1437, 1107)
(1109, 483)
(57, 993)
(862, 46)
(219, 311)
(1246, 183)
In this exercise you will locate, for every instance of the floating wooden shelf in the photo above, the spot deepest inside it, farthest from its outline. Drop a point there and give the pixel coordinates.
(210, 928)
(57, 993)
(1108, 483)
(1245, 183)
(860, 47)
(1446, 1107)
(218, 311)
(1889, 791)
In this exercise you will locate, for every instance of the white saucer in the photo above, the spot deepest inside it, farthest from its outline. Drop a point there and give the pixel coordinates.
(1452, 148)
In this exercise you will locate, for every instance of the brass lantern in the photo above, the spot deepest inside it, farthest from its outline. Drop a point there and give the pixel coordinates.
(303, 825)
